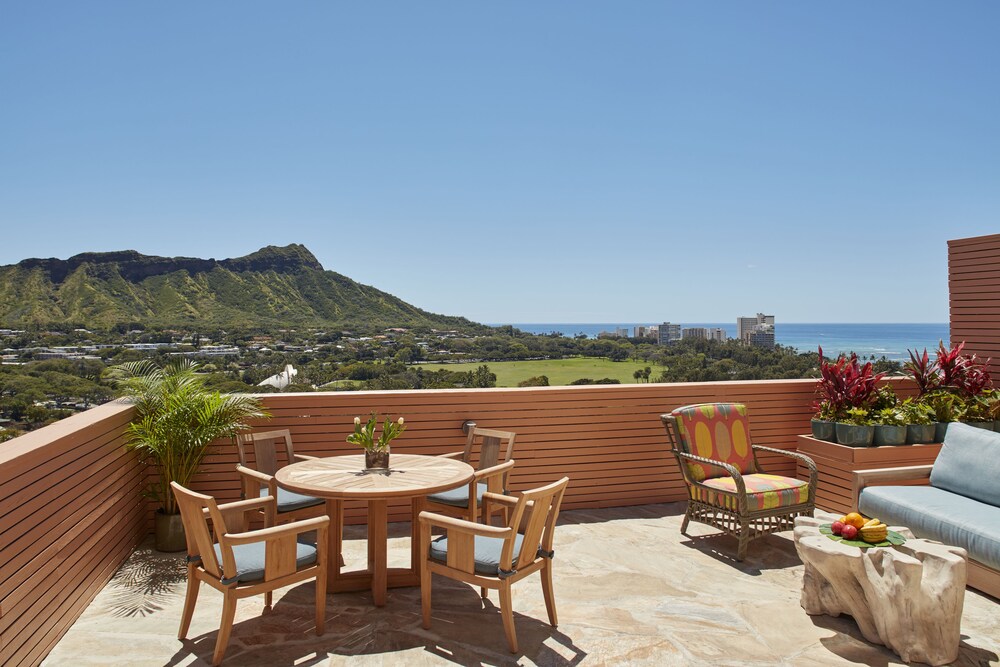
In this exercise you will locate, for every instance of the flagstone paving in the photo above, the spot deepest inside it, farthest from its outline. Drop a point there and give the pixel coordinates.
(630, 589)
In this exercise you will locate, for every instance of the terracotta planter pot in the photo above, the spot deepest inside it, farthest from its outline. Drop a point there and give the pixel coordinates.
(824, 430)
(169, 532)
(920, 434)
(889, 435)
(853, 435)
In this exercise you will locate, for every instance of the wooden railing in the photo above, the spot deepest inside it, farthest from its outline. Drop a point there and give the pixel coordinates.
(71, 511)
(71, 508)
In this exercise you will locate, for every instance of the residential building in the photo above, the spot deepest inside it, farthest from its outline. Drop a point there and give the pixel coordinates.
(758, 331)
(668, 333)
(695, 332)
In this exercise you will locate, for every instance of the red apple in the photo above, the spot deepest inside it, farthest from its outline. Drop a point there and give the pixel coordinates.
(848, 532)
(836, 527)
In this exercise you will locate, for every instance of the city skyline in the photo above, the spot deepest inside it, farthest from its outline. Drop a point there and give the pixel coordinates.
(526, 163)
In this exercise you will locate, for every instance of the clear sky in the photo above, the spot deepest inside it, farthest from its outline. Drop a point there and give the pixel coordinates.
(519, 161)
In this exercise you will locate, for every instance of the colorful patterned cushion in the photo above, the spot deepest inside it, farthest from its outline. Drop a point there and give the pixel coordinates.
(764, 492)
(717, 431)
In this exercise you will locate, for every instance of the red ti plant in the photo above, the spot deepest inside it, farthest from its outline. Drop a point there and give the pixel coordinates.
(924, 372)
(963, 373)
(845, 384)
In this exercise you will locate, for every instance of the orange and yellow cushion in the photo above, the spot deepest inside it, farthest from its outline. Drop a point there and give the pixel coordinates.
(717, 431)
(764, 492)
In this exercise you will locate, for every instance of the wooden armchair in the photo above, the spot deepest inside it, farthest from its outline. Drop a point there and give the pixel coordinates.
(727, 487)
(466, 502)
(492, 556)
(258, 481)
(241, 563)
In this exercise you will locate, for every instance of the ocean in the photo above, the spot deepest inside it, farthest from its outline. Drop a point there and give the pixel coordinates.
(889, 340)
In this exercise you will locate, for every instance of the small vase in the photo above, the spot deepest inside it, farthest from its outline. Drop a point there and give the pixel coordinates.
(377, 460)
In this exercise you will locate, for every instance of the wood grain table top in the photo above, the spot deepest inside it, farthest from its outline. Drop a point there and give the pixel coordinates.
(345, 477)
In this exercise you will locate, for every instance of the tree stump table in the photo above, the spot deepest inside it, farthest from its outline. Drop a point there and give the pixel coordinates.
(908, 598)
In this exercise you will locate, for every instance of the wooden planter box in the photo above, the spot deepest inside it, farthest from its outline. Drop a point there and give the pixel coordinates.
(837, 463)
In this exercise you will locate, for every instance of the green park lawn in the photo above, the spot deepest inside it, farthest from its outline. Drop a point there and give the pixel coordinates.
(559, 371)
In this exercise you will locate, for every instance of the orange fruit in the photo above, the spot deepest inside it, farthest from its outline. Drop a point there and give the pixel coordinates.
(855, 520)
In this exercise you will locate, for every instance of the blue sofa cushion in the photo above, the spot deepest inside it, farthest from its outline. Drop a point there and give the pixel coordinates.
(289, 501)
(939, 515)
(487, 552)
(458, 497)
(969, 464)
(250, 560)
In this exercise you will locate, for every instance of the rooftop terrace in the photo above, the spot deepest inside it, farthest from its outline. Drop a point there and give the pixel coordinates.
(629, 587)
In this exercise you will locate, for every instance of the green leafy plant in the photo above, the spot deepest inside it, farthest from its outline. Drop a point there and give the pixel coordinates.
(894, 416)
(976, 409)
(945, 406)
(364, 435)
(884, 398)
(825, 411)
(857, 417)
(177, 418)
(915, 411)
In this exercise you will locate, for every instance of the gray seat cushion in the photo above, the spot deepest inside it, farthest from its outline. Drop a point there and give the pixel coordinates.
(938, 515)
(289, 501)
(487, 552)
(250, 560)
(969, 464)
(458, 497)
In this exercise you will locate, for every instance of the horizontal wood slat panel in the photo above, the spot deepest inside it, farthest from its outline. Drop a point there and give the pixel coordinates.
(974, 286)
(71, 511)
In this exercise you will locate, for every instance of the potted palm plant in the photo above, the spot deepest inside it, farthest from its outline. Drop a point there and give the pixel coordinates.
(176, 419)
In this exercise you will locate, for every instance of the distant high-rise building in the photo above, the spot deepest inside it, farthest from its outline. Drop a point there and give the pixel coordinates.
(717, 333)
(668, 333)
(695, 332)
(621, 332)
(758, 331)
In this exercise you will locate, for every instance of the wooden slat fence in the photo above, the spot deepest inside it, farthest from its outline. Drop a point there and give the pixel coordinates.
(974, 286)
(71, 511)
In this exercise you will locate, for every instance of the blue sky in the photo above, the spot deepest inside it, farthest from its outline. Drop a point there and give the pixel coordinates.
(521, 162)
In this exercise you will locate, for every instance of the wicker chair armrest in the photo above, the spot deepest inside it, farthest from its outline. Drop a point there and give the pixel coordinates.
(807, 461)
(730, 469)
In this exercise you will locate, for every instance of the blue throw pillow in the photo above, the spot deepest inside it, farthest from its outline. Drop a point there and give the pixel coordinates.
(969, 464)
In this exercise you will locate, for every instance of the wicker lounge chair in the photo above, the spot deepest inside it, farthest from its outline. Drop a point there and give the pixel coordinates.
(727, 487)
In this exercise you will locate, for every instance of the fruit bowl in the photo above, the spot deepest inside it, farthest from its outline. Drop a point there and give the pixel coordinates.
(892, 538)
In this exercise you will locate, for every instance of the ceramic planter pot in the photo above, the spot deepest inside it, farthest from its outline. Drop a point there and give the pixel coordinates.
(920, 434)
(853, 435)
(940, 428)
(824, 430)
(169, 532)
(889, 435)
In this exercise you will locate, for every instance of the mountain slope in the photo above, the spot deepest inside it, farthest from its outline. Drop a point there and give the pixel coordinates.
(271, 287)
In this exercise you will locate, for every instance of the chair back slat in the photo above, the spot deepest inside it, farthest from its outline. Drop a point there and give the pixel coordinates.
(717, 431)
(491, 446)
(265, 447)
(536, 513)
(196, 530)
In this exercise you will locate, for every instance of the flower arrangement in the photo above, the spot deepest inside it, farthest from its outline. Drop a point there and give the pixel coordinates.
(376, 449)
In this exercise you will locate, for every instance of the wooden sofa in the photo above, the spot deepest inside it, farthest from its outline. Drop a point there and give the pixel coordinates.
(956, 502)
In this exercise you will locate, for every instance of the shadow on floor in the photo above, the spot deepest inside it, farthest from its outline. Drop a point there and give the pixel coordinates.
(146, 582)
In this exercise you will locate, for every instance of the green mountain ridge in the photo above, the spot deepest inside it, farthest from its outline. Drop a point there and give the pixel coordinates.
(275, 286)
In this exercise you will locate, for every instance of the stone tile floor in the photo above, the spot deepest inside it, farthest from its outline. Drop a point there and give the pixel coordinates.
(630, 590)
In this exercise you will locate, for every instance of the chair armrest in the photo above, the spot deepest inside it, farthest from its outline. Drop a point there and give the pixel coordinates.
(494, 476)
(731, 470)
(237, 511)
(462, 526)
(802, 458)
(252, 478)
(304, 457)
(499, 499)
(863, 478)
(452, 455)
(294, 528)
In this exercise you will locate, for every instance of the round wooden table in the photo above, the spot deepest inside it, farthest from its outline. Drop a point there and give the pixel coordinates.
(341, 478)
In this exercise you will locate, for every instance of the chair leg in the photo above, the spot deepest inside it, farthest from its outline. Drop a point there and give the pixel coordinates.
(741, 550)
(425, 594)
(484, 592)
(686, 521)
(507, 612)
(190, 598)
(268, 600)
(226, 626)
(321, 601)
(547, 593)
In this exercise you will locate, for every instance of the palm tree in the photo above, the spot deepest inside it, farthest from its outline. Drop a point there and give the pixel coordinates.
(177, 418)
